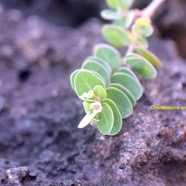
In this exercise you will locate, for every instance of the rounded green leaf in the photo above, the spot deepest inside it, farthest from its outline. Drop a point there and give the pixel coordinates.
(128, 71)
(121, 100)
(117, 117)
(106, 119)
(149, 56)
(100, 91)
(141, 65)
(144, 30)
(143, 27)
(101, 61)
(117, 4)
(142, 42)
(97, 67)
(125, 91)
(130, 83)
(86, 105)
(97, 74)
(85, 81)
(110, 15)
(109, 54)
(72, 77)
(116, 35)
(142, 21)
(126, 21)
(86, 120)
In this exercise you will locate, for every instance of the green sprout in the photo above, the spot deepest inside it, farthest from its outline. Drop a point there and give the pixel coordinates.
(106, 83)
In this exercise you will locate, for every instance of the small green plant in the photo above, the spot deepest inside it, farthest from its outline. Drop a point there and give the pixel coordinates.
(106, 82)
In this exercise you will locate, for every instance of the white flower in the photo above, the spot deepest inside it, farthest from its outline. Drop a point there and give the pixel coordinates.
(90, 94)
(97, 107)
(84, 95)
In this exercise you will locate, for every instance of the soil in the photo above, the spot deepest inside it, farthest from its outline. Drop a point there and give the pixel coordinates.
(40, 144)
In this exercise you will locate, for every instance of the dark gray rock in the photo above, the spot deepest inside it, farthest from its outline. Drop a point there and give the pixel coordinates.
(17, 174)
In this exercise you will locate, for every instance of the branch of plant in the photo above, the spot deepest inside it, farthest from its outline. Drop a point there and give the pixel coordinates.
(147, 12)
(130, 48)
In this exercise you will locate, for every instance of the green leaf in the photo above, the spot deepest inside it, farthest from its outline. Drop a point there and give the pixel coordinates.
(141, 65)
(142, 42)
(125, 91)
(106, 119)
(117, 4)
(72, 77)
(142, 21)
(116, 35)
(97, 67)
(121, 100)
(126, 21)
(129, 72)
(109, 54)
(142, 27)
(101, 61)
(110, 15)
(85, 81)
(149, 56)
(128, 82)
(87, 108)
(97, 74)
(86, 120)
(117, 117)
(100, 91)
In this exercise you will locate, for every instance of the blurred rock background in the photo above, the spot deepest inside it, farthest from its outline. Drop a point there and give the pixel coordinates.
(170, 18)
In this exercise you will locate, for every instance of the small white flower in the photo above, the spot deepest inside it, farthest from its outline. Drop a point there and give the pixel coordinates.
(84, 95)
(90, 94)
(97, 107)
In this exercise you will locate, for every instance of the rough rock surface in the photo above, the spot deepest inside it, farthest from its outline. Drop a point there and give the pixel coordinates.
(39, 142)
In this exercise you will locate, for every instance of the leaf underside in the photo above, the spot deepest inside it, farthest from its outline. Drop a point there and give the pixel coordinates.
(125, 91)
(117, 117)
(141, 65)
(109, 54)
(116, 35)
(121, 100)
(130, 83)
(106, 119)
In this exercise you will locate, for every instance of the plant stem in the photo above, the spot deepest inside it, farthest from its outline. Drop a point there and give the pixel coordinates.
(151, 8)
(130, 48)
